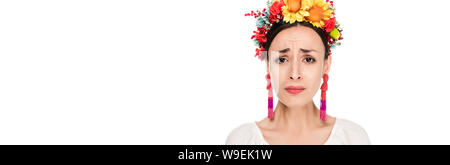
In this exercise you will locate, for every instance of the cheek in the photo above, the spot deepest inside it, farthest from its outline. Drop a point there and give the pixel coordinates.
(312, 76)
(313, 80)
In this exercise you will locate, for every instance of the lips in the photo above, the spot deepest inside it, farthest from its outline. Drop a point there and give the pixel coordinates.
(295, 89)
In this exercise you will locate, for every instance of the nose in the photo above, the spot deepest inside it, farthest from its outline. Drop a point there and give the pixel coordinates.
(295, 71)
(295, 77)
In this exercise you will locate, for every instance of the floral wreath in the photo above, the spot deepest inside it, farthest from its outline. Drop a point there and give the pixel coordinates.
(317, 12)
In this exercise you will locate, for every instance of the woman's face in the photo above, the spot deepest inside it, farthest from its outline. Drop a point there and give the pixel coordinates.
(296, 65)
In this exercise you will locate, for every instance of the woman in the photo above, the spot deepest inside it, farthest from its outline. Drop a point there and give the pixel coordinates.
(298, 36)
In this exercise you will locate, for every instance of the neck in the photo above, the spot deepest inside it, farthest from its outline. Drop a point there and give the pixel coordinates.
(297, 119)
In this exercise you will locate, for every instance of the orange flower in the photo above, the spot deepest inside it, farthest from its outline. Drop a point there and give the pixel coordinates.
(294, 5)
(319, 12)
(295, 10)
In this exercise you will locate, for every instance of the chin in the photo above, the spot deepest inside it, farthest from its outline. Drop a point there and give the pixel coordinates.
(293, 101)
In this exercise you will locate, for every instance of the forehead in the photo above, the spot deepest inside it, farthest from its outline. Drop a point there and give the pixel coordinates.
(298, 36)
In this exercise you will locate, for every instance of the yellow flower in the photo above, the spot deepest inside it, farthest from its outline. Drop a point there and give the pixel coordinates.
(295, 10)
(319, 12)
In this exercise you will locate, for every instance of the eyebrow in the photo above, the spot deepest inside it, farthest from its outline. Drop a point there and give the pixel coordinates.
(307, 50)
(284, 50)
(301, 49)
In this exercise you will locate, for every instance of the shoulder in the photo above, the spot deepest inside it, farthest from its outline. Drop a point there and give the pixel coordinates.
(246, 133)
(351, 132)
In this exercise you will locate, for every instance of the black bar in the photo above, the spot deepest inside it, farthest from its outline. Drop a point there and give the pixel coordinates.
(221, 153)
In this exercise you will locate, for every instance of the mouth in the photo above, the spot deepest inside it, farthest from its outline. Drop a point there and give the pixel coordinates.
(295, 89)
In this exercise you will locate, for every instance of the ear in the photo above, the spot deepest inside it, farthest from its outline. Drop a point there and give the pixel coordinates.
(267, 66)
(327, 65)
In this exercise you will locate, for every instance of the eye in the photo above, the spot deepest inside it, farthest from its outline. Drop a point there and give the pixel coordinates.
(280, 60)
(310, 60)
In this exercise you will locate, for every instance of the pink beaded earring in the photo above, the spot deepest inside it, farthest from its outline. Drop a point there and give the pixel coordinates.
(323, 98)
(270, 99)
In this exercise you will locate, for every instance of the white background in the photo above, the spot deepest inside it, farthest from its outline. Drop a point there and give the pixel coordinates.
(183, 72)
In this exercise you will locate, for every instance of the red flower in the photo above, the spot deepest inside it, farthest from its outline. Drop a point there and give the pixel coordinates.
(260, 35)
(329, 24)
(275, 10)
(260, 53)
(272, 18)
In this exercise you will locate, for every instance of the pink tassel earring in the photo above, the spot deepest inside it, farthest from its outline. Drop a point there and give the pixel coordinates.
(270, 99)
(323, 98)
